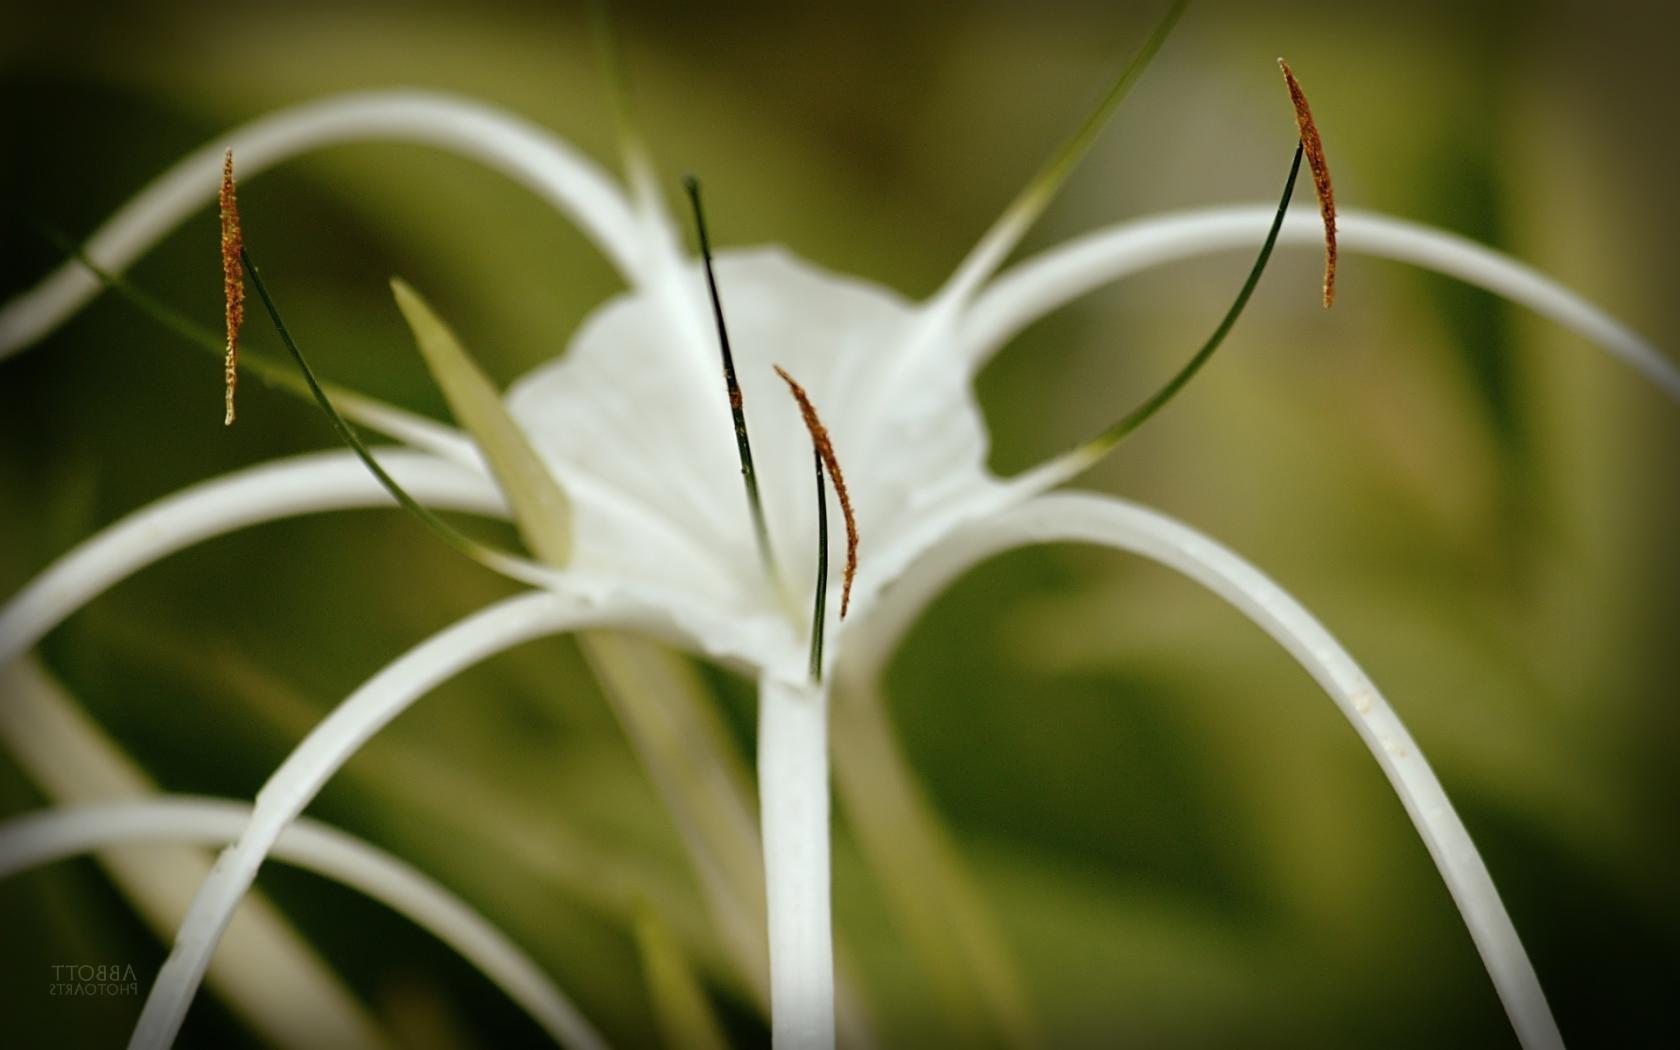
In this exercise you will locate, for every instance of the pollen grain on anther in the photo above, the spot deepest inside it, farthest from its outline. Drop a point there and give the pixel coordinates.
(1314, 147)
(825, 451)
(233, 284)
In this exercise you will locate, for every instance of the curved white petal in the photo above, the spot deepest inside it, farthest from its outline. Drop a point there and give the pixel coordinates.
(300, 485)
(54, 834)
(1035, 287)
(793, 807)
(321, 754)
(519, 149)
(1080, 517)
(266, 972)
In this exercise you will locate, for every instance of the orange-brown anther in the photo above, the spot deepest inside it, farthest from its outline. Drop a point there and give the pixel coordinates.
(825, 451)
(233, 283)
(1314, 149)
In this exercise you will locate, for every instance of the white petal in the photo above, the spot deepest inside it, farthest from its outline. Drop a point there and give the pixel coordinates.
(288, 487)
(41, 838)
(793, 806)
(321, 754)
(523, 151)
(266, 970)
(1040, 285)
(1080, 517)
(633, 409)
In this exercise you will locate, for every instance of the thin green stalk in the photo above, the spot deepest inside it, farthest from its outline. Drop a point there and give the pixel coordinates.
(1030, 203)
(1056, 170)
(737, 408)
(508, 564)
(1104, 442)
(273, 373)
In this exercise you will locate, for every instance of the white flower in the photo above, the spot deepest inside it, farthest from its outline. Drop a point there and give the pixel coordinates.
(634, 425)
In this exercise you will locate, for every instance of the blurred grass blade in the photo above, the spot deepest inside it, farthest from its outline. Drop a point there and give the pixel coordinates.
(975, 984)
(539, 505)
(1030, 203)
(680, 1007)
(639, 169)
(668, 716)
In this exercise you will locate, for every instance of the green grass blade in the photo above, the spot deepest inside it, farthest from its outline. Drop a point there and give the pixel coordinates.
(540, 506)
(1030, 203)
(974, 984)
(680, 1007)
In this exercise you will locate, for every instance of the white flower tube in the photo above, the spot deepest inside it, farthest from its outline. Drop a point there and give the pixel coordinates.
(523, 151)
(793, 811)
(1088, 518)
(54, 834)
(306, 770)
(1039, 285)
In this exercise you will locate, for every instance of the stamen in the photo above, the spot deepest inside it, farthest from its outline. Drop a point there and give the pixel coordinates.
(508, 564)
(743, 446)
(1096, 448)
(275, 374)
(233, 284)
(819, 602)
(825, 454)
(1321, 178)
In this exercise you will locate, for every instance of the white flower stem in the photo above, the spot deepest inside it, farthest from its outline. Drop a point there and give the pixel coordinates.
(1080, 517)
(793, 808)
(40, 838)
(1034, 288)
(314, 761)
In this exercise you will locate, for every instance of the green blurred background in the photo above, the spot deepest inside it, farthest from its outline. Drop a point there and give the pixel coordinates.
(1181, 842)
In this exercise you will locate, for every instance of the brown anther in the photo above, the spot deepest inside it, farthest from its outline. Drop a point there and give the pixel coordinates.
(825, 451)
(1314, 149)
(233, 283)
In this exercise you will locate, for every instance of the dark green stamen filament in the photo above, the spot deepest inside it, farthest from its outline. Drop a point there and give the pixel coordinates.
(272, 373)
(502, 561)
(1138, 416)
(736, 408)
(819, 610)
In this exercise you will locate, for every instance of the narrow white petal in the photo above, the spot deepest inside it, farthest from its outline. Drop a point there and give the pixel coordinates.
(793, 807)
(519, 149)
(284, 488)
(1034, 288)
(320, 755)
(266, 973)
(40, 838)
(1080, 517)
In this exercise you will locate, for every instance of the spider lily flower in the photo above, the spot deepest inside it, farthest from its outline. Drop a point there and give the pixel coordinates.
(632, 427)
